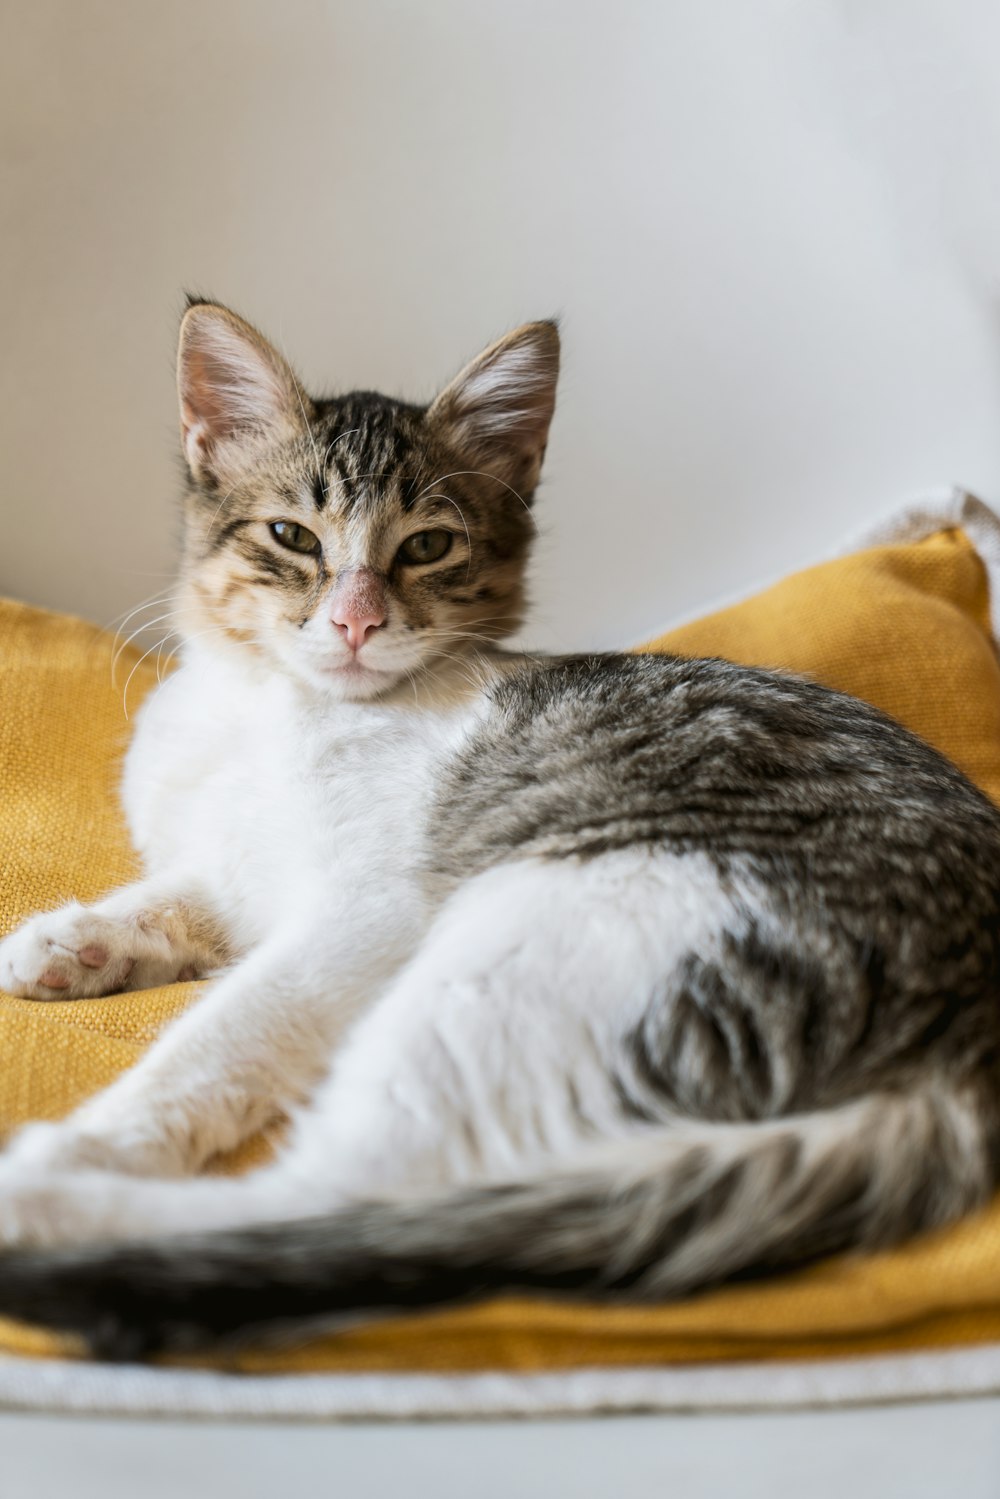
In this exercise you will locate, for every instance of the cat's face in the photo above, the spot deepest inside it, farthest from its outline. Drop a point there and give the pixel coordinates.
(352, 542)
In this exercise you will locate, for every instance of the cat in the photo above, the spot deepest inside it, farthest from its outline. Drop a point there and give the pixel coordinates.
(612, 975)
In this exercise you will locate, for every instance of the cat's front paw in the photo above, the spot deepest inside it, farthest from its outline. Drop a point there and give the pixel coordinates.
(76, 953)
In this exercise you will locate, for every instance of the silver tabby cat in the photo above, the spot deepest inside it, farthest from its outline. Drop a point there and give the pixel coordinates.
(615, 976)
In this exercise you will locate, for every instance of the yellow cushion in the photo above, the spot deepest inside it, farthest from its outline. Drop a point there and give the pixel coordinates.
(906, 627)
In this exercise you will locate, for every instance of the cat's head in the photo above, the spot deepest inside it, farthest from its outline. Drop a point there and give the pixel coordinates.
(350, 542)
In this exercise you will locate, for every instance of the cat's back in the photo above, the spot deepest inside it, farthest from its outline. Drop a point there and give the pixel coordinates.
(583, 755)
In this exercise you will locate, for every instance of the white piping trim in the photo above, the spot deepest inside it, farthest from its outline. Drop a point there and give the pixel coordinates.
(935, 511)
(135, 1390)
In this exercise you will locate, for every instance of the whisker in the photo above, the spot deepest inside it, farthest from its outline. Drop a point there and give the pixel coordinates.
(459, 473)
(339, 438)
(482, 619)
(159, 659)
(147, 625)
(462, 665)
(121, 620)
(462, 636)
(438, 495)
(413, 683)
(228, 495)
(326, 459)
(132, 673)
(209, 630)
(444, 633)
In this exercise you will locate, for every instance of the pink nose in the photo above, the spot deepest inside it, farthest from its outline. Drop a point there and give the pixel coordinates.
(358, 606)
(357, 627)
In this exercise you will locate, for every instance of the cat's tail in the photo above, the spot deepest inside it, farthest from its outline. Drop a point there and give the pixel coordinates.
(650, 1218)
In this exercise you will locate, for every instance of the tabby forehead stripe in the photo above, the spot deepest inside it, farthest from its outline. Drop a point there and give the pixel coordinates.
(277, 566)
(347, 483)
(219, 536)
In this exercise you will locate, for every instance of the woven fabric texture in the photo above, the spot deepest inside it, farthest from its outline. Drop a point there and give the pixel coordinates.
(906, 627)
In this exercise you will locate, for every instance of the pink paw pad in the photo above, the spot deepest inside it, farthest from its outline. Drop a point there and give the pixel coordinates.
(53, 979)
(93, 956)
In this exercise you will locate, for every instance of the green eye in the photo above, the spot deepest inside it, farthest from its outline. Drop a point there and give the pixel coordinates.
(425, 546)
(293, 536)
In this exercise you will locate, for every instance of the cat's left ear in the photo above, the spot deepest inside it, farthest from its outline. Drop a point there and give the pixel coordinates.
(497, 412)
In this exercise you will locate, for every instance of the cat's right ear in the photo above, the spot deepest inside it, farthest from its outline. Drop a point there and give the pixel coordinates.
(237, 394)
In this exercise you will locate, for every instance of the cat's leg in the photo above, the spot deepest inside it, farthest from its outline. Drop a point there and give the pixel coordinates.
(254, 1046)
(154, 932)
(507, 1043)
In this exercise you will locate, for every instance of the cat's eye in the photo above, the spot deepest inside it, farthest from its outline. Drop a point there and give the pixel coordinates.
(293, 536)
(425, 546)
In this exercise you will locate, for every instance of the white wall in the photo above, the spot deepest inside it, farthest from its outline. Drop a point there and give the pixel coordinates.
(772, 229)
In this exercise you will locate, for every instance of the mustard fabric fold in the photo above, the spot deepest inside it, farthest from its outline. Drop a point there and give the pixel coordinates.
(906, 627)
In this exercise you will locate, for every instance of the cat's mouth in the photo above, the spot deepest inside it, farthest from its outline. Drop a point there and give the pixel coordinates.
(356, 676)
(354, 668)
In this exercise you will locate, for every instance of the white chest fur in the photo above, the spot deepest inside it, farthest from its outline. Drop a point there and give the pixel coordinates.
(276, 801)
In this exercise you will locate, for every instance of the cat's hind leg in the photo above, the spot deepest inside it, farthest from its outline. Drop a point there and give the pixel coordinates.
(503, 1047)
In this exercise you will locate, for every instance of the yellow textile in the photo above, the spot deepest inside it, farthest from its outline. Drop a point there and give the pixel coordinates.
(905, 626)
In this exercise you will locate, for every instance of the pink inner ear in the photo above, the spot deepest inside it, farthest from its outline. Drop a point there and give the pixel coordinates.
(202, 404)
(502, 403)
(232, 385)
(194, 435)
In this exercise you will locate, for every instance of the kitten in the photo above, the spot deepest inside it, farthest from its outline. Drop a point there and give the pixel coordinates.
(619, 975)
